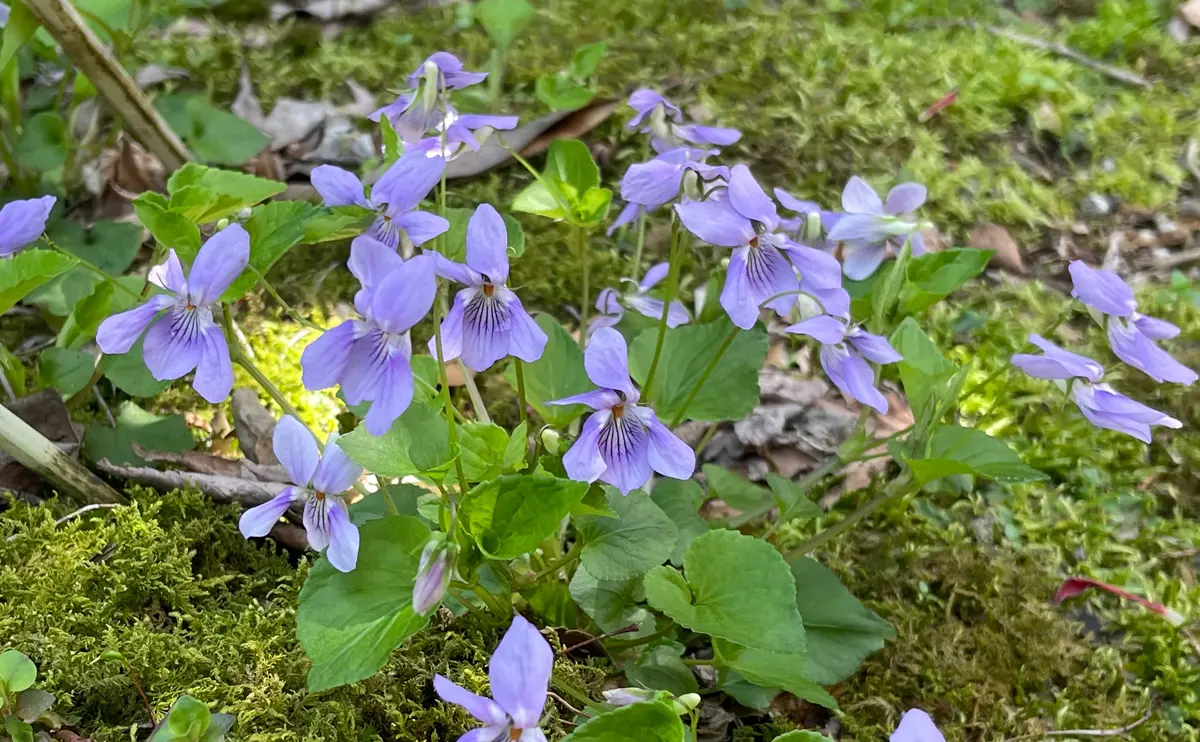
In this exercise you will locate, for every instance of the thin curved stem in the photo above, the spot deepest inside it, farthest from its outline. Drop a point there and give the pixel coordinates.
(672, 287)
(585, 297)
(94, 269)
(481, 413)
(636, 273)
(712, 365)
(898, 488)
(296, 317)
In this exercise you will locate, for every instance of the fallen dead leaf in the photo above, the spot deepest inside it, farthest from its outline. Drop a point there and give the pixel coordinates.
(254, 426)
(995, 237)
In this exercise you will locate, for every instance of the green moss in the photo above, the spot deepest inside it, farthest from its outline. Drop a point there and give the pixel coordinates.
(171, 584)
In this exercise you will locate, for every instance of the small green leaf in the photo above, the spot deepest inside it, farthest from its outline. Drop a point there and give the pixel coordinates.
(417, 442)
(171, 229)
(681, 501)
(649, 721)
(13, 370)
(349, 623)
(924, 370)
(237, 190)
(128, 373)
(557, 374)
(537, 199)
(105, 300)
(935, 275)
(592, 206)
(214, 135)
(503, 20)
(274, 229)
(802, 735)
(135, 425)
(731, 390)
(516, 449)
(27, 270)
(481, 448)
(561, 93)
(954, 449)
(511, 515)
(18, 730)
(769, 669)
(331, 224)
(737, 588)
(17, 672)
(659, 668)
(840, 631)
(189, 718)
(640, 537)
(795, 503)
(570, 161)
(735, 490)
(587, 58)
(20, 28)
(42, 145)
(65, 369)
(612, 604)
(32, 703)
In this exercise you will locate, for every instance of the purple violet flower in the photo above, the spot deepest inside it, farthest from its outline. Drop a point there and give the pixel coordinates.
(621, 443)
(743, 217)
(371, 357)
(916, 726)
(1130, 335)
(646, 102)
(425, 104)
(611, 304)
(186, 337)
(1102, 405)
(869, 224)
(487, 321)
(22, 222)
(519, 674)
(846, 364)
(395, 197)
(647, 186)
(319, 481)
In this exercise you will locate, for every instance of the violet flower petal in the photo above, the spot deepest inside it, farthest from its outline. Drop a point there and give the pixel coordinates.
(484, 710)
(452, 328)
(520, 673)
(526, 340)
(750, 200)
(393, 395)
(174, 344)
(916, 726)
(858, 197)
(771, 279)
(1101, 289)
(1139, 351)
(874, 348)
(582, 461)
(343, 537)
(336, 472)
(22, 222)
(405, 295)
(296, 449)
(625, 448)
(421, 226)
(120, 332)
(214, 372)
(853, 375)
(338, 187)
(858, 227)
(260, 519)
(324, 360)
(1073, 363)
(654, 276)
(863, 260)
(1154, 328)
(647, 307)
(736, 297)
(487, 243)
(643, 101)
(716, 221)
(364, 366)
(169, 274)
(822, 328)
(606, 360)
(407, 182)
(791, 203)
(714, 135)
(651, 183)
(486, 329)
(905, 198)
(220, 261)
(667, 454)
(597, 399)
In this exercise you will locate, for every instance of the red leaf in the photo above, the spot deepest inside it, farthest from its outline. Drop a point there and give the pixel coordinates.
(1077, 585)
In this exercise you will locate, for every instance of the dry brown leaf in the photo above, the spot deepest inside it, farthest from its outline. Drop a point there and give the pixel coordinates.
(995, 237)
(254, 426)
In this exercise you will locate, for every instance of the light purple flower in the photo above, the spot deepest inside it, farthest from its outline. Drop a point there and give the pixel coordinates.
(487, 321)
(371, 357)
(621, 443)
(654, 114)
(916, 726)
(433, 574)
(186, 337)
(1130, 335)
(461, 131)
(846, 364)
(611, 304)
(1056, 363)
(519, 674)
(869, 224)
(395, 197)
(319, 481)
(425, 104)
(22, 222)
(743, 217)
(1107, 408)
(646, 102)
(647, 186)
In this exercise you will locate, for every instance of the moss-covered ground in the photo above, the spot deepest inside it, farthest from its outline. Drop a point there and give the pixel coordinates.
(822, 90)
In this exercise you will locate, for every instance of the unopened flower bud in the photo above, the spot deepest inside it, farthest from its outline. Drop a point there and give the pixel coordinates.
(812, 227)
(433, 574)
(627, 696)
(689, 700)
(222, 223)
(550, 439)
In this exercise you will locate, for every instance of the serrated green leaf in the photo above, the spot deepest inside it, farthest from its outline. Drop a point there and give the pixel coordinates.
(840, 631)
(640, 537)
(649, 721)
(511, 515)
(924, 370)
(27, 270)
(794, 502)
(238, 190)
(731, 390)
(681, 501)
(557, 374)
(612, 604)
(537, 199)
(587, 58)
(783, 670)
(418, 441)
(954, 449)
(171, 229)
(935, 275)
(516, 449)
(660, 668)
(561, 93)
(738, 588)
(349, 623)
(108, 245)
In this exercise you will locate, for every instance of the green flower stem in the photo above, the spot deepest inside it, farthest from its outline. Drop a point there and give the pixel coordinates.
(585, 297)
(578, 695)
(712, 365)
(94, 269)
(481, 413)
(452, 425)
(672, 287)
(553, 191)
(564, 561)
(1005, 367)
(522, 413)
(636, 272)
(619, 645)
(238, 356)
(491, 601)
(292, 313)
(905, 485)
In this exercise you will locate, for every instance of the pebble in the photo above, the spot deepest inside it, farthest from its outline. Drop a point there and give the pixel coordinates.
(1096, 205)
(1190, 208)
